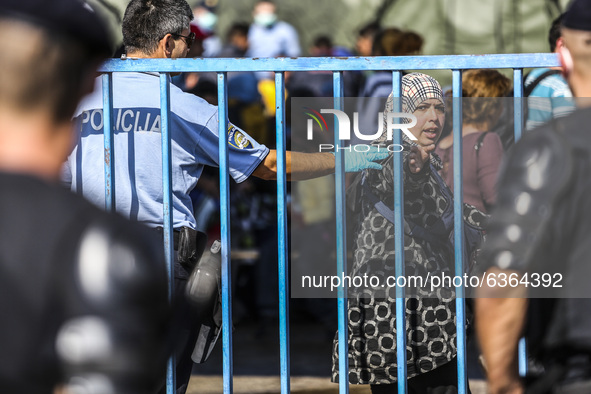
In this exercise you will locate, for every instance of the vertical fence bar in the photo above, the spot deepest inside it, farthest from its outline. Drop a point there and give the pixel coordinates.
(167, 207)
(459, 229)
(522, 353)
(225, 232)
(399, 269)
(341, 244)
(282, 231)
(109, 150)
(518, 103)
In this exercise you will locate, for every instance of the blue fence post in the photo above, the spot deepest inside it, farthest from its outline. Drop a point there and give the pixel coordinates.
(459, 229)
(167, 207)
(107, 80)
(399, 268)
(341, 244)
(225, 232)
(282, 231)
(518, 103)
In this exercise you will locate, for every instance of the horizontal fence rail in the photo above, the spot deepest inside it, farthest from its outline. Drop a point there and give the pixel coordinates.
(457, 62)
(454, 63)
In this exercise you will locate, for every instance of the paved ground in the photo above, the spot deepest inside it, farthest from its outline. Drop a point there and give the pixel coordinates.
(268, 384)
(300, 385)
(256, 361)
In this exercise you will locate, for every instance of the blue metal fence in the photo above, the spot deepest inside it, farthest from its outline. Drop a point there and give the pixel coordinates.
(456, 63)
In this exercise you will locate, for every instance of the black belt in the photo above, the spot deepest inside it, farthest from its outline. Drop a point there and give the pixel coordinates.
(189, 244)
(175, 236)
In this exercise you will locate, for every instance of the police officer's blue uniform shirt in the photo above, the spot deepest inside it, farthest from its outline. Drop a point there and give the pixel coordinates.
(138, 152)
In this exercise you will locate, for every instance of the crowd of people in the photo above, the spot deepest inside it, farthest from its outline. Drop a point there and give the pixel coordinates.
(96, 277)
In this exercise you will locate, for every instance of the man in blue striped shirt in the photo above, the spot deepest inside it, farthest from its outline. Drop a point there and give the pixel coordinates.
(549, 94)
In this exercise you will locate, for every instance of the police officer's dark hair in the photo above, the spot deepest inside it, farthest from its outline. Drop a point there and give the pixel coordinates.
(555, 32)
(44, 69)
(146, 22)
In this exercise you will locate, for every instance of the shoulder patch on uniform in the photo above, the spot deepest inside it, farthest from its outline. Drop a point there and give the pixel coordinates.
(237, 139)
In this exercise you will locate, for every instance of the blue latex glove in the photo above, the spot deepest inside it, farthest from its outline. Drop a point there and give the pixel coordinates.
(357, 161)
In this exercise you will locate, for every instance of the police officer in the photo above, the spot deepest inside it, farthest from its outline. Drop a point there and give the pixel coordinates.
(83, 293)
(539, 243)
(160, 29)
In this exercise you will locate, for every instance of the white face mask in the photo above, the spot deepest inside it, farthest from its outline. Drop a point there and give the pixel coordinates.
(265, 19)
(207, 21)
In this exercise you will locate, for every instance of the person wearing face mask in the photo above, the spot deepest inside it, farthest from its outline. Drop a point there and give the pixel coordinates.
(540, 228)
(206, 20)
(269, 37)
(430, 315)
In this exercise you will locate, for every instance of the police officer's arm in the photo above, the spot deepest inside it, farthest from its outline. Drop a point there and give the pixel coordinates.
(300, 166)
(532, 183)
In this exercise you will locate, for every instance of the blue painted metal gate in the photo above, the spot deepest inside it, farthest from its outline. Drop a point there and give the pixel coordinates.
(516, 62)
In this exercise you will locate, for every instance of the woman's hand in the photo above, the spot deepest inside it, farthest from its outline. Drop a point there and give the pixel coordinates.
(419, 156)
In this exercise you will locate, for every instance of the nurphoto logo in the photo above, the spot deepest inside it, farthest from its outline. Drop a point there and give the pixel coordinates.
(394, 121)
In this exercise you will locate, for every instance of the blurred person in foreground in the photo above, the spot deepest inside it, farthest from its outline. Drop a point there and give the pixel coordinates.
(83, 298)
(539, 235)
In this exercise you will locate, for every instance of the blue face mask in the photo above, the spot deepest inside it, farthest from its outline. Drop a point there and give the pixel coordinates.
(265, 19)
(207, 21)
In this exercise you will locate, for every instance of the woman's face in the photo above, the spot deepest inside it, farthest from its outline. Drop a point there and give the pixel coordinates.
(430, 116)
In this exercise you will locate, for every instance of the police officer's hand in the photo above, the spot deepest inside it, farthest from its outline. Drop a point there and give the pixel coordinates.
(419, 156)
(360, 159)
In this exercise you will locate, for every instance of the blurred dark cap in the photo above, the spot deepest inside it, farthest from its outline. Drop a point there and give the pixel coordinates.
(73, 19)
(578, 15)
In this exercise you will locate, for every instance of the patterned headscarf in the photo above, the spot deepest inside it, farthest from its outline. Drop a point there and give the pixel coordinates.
(416, 88)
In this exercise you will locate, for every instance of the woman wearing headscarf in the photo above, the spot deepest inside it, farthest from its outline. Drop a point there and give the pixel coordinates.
(430, 316)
